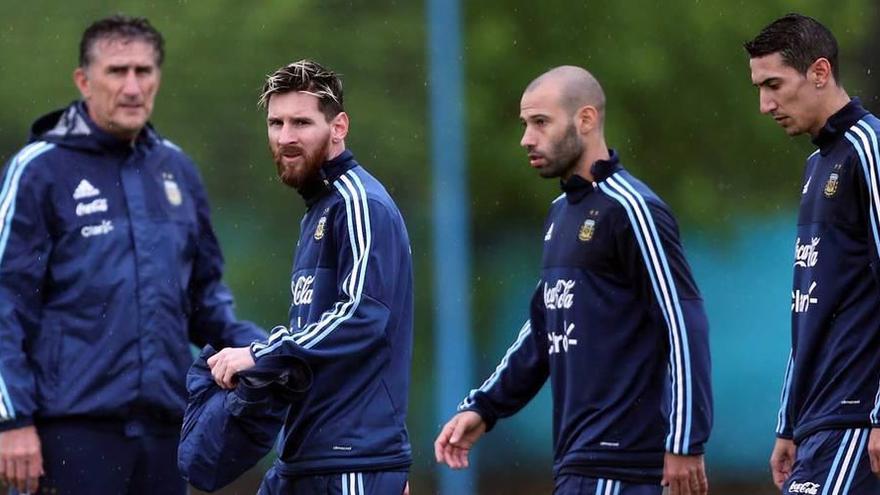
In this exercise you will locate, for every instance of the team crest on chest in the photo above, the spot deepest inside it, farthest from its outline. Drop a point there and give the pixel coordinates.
(172, 191)
(585, 234)
(319, 230)
(832, 184)
(588, 228)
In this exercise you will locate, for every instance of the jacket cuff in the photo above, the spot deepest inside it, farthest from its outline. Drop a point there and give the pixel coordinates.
(251, 349)
(484, 410)
(785, 435)
(264, 342)
(694, 449)
(17, 422)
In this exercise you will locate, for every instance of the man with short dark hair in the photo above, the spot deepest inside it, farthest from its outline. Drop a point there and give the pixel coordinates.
(830, 392)
(109, 268)
(616, 320)
(351, 305)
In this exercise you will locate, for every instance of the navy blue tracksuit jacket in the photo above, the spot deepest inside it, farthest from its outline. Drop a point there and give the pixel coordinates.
(351, 322)
(833, 373)
(226, 432)
(109, 268)
(618, 326)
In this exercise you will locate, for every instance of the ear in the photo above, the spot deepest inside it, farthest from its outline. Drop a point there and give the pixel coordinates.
(819, 74)
(339, 127)
(81, 80)
(587, 119)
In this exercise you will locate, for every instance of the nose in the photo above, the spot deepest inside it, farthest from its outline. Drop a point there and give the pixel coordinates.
(288, 135)
(131, 86)
(767, 103)
(527, 141)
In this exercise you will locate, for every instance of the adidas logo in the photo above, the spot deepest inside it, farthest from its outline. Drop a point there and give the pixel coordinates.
(85, 190)
(549, 234)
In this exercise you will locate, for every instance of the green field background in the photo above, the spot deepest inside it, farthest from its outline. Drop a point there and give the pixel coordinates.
(681, 112)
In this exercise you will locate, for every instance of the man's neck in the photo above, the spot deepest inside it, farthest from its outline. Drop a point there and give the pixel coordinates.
(595, 151)
(831, 106)
(335, 150)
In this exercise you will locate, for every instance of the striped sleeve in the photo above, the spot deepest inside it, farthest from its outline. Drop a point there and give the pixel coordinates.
(358, 317)
(24, 246)
(783, 421)
(518, 376)
(863, 137)
(652, 241)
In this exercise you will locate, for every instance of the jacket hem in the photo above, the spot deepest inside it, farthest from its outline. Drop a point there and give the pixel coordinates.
(801, 432)
(332, 466)
(622, 471)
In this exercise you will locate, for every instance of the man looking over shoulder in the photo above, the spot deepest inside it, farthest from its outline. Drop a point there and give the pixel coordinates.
(351, 303)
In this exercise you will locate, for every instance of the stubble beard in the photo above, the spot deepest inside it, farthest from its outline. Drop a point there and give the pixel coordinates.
(564, 155)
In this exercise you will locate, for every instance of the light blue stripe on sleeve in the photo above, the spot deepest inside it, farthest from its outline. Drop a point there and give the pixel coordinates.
(360, 236)
(523, 333)
(664, 288)
(682, 327)
(8, 197)
(868, 159)
(782, 418)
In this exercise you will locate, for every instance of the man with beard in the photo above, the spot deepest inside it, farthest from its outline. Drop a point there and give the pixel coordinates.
(616, 321)
(351, 307)
(109, 269)
(828, 431)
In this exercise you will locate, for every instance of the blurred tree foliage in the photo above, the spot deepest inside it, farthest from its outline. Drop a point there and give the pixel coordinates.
(681, 108)
(681, 111)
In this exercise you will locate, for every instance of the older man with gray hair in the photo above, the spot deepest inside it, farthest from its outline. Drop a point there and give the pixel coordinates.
(109, 269)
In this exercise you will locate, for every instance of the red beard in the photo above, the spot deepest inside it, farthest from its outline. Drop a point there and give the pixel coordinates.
(306, 170)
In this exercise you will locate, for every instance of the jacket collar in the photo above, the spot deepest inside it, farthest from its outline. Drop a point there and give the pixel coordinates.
(330, 171)
(576, 187)
(74, 127)
(838, 124)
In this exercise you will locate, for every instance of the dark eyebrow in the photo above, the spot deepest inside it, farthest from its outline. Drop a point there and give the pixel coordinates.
(766, 82)
(113, 67)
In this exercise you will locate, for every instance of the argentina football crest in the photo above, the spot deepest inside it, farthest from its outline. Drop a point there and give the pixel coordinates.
(322, 225)
(585, 234)
(172, 191)
(588, 228)
(833, 182)
(832, 185)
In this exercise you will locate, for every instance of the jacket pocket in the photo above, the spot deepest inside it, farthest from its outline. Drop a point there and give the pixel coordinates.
(47, 358)
(57, 350)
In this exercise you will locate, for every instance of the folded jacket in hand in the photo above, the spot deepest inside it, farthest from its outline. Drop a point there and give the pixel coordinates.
(226, 432)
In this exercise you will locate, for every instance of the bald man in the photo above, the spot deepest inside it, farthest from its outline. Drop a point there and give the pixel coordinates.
(616, 320)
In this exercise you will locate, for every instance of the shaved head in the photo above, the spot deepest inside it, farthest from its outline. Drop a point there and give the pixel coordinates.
(562, 112)
(576, 87)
